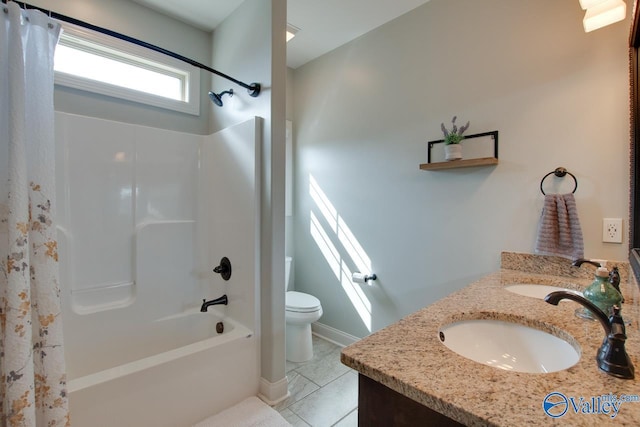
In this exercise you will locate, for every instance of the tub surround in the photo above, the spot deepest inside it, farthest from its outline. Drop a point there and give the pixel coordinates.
(142, 225)
(408, 358)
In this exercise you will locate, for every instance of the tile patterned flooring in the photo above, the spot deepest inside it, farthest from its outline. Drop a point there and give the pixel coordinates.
(323, 391)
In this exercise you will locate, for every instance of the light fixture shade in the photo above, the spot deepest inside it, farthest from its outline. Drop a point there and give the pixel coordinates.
(586, 4)
(603, 14)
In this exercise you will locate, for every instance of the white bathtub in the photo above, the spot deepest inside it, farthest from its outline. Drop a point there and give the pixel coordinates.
(179, 386)
(141, 229)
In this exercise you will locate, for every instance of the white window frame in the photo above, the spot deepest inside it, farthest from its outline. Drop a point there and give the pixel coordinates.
(110, 47)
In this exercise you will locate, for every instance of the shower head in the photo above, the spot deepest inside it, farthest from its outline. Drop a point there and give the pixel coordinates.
(217, 97)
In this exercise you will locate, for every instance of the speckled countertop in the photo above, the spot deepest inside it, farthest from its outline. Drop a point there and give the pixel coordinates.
(409, 358)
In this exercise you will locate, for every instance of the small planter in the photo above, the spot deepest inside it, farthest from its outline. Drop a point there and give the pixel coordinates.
(453, 152)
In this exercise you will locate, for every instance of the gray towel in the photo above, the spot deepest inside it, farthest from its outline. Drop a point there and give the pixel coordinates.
(559, 231)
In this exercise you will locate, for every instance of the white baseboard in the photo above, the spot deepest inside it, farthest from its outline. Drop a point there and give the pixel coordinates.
(333, 335)
(273, 393)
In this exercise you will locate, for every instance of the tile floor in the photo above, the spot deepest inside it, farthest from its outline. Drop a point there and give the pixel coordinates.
(323, 392)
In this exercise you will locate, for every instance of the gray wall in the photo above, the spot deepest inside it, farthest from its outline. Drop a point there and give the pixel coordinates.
(250, 45)
(364, 112)
(152, 27)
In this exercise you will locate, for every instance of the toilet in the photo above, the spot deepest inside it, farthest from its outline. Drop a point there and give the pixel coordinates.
(301, 310)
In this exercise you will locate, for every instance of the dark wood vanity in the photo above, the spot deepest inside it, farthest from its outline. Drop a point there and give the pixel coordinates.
(379, 405)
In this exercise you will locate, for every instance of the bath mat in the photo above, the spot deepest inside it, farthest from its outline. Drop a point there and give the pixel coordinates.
(251, 412)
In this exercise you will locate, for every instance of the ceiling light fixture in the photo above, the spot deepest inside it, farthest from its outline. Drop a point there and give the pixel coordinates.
(601, 13)
(291, 31)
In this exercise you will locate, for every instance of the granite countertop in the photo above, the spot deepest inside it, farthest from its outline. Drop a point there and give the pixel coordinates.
(409, 358)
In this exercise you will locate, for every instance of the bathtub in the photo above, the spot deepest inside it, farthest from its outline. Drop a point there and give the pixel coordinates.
(141, 228)
(190, 373)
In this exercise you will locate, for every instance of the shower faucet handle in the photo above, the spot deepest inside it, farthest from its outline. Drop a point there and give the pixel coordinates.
(224, 269)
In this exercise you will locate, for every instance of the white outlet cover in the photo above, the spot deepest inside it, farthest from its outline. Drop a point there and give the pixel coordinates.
(612, 230)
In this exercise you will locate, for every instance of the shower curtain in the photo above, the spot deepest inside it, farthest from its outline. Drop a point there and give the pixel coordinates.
(33, 381)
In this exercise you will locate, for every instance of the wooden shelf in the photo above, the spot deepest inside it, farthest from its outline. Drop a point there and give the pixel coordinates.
(464, 163)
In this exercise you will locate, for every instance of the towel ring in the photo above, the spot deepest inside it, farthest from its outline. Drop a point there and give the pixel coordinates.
(560, 173)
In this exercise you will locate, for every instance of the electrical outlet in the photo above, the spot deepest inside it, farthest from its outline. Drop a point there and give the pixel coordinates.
(612, 230)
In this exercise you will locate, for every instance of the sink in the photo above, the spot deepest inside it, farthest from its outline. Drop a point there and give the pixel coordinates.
(536, 291)
(509, 346)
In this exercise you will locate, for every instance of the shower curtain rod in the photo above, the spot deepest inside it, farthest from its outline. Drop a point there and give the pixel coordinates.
(253, 88)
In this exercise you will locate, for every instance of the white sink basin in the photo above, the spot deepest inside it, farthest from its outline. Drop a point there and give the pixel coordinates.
(536, 291)
(509, 346)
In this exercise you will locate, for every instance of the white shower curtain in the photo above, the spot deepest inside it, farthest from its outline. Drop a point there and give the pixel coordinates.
(33, 382)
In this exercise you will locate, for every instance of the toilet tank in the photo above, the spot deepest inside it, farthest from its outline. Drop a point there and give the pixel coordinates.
(287, 271)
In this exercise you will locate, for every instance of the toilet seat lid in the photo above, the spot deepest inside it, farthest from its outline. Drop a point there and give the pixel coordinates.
(301, 302)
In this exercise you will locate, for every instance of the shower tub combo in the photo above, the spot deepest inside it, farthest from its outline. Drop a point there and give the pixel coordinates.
(144, 215)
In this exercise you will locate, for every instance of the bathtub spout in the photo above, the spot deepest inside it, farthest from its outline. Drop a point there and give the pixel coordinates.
(218, 301)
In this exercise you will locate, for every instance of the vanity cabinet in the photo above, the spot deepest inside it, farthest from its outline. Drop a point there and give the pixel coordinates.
(407, 377)
(379, 406)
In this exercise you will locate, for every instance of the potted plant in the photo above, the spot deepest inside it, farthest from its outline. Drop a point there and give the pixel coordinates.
(452, 140)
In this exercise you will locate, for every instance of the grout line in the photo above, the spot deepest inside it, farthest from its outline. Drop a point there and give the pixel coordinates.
(311, 381)
(321, 387)
(340, 420)
(289, 407)
(299, 417)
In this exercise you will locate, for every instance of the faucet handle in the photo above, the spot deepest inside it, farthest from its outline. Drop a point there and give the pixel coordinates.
(224, 269)
(614, 279)
(612, 357)
(617, 323)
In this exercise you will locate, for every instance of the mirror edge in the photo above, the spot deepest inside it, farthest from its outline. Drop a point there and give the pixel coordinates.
(634, 122)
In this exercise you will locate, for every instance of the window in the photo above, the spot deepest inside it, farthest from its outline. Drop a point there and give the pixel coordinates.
(101, 64)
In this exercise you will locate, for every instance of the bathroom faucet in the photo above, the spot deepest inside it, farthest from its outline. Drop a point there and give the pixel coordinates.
(223, 300)
(612, 357)
(580, 261)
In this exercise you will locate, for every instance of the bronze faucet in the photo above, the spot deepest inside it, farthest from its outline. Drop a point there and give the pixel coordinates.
(223, 300)
(612, 357)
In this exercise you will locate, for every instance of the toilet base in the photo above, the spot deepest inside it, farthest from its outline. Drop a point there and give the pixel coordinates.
(299, 345)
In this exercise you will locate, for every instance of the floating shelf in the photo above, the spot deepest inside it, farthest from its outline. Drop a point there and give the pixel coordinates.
(464, 163)
(486, 137)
